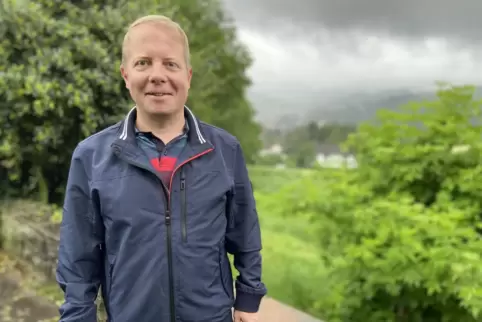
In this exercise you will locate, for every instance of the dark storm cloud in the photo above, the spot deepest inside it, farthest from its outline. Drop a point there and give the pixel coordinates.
(456, 20)
(320, 49)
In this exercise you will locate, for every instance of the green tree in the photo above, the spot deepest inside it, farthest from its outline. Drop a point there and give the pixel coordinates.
(430, 150)
(399, 235)
(60, 80)
(298, 147)
(337, 133)
(301, 142)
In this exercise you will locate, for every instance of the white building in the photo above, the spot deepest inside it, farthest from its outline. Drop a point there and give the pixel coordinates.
(331, 156)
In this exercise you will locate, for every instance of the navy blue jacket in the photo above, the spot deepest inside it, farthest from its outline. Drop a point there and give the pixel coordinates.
(159, 253)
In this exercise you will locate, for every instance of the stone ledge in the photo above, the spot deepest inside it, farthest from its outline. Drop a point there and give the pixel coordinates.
(18, 301)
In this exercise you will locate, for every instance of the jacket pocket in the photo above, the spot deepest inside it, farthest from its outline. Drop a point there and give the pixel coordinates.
(226, 273)
(230, 209)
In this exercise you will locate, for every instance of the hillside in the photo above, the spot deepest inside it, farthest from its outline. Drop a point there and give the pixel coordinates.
(355, 107)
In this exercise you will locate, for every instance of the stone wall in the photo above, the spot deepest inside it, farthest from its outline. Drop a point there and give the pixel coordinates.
(30, 234)
(28, 253)
(20, 304)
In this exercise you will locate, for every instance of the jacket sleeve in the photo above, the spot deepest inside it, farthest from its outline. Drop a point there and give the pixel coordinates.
(79, 257)
(243, 240)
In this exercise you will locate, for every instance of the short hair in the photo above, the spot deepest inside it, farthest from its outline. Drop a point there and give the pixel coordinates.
(162, 20)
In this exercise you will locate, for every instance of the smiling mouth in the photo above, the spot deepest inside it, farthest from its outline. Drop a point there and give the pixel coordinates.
(158, 94)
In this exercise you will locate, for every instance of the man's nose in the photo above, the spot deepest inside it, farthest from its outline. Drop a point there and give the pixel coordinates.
(158, 73)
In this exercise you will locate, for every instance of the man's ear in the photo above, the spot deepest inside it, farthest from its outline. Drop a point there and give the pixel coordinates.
(189, 76)
(124, 75)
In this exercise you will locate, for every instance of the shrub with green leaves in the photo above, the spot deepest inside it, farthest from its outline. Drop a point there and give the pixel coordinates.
(430, 150)
(60, 81)
(399, 235)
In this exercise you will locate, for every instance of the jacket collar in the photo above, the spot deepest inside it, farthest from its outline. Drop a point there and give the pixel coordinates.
(125, 143)
(195, 135)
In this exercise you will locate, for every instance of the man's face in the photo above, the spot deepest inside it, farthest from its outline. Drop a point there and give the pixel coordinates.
(155, 69)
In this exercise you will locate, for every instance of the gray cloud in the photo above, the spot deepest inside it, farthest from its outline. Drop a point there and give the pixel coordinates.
(308, 51)
(457, 20)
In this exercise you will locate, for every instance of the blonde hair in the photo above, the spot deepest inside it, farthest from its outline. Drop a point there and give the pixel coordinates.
(162, 20)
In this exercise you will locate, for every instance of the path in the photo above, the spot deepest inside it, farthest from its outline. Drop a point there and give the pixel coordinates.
(273, 311)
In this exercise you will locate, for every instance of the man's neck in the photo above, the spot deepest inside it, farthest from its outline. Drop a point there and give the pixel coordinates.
(165, 127)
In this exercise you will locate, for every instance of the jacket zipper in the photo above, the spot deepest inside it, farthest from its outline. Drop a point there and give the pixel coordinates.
(183, 207)
(167, 220)
(169, 261)
(169, 233)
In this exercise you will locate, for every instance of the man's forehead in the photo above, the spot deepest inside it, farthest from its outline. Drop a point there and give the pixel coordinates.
(153, 29)
(151, 36)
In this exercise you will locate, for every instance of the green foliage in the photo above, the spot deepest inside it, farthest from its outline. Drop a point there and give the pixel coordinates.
(268, 179)
(329, 133)
(397, 239)
(390, 259)
(431, 150)
(301, 144)
(292, 267)
(399, 236)
(62, 81)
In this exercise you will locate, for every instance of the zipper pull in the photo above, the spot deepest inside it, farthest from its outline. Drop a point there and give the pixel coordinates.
(168, 217)
(183, 180)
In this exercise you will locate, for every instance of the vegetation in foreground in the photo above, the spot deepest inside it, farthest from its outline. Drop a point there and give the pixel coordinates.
(399, 238)
(60, 81)
(396, 240)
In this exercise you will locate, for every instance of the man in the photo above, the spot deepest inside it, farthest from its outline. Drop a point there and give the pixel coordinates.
(154, 203)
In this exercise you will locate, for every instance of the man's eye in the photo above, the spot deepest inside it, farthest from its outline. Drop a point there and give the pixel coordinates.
(142, 62)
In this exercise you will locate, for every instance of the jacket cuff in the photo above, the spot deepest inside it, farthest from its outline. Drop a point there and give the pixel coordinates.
(247, 302)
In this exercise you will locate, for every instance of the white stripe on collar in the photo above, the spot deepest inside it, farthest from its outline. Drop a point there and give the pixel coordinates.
(123, 135)
(199, 135)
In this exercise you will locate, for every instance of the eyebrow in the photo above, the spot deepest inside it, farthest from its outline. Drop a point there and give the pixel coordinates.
(171, 58)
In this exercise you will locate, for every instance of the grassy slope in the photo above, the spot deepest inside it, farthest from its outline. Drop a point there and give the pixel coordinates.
(291, 263)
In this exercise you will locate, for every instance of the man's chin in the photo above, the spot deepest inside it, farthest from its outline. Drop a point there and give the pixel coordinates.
(163, 109)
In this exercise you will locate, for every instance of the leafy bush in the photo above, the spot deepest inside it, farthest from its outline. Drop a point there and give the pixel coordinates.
(399, 236)
(391, 259)
(60, 81)
(430, 150)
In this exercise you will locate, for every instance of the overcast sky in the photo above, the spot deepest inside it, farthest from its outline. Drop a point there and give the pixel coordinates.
(307, 50)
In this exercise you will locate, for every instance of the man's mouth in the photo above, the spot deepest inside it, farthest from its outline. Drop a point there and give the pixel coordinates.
(158, 93)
